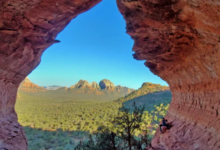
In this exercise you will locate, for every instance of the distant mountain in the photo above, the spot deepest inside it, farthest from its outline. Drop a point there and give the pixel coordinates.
(82, 90)
(27, 86)
(82, 84)
(104, 86)
(52, 87)
(107, 85)
(149, 94)
(95, 85)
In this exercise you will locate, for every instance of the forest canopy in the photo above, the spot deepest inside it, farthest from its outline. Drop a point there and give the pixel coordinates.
(62, 124)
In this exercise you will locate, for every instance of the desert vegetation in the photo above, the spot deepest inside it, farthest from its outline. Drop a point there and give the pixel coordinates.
(56, 123)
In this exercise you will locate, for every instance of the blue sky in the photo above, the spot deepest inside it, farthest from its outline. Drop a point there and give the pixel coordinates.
(94, 46)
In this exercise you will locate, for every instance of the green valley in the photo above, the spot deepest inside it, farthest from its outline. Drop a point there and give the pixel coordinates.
(61, 118)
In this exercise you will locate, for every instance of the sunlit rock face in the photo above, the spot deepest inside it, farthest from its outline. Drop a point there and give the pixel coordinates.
(28, 86)
(106, 84)
(95, 85)
(82, 84)
(180, 41)
(27, 28)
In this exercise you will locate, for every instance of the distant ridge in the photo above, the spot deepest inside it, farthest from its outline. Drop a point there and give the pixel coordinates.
(104, 87)
(104, 84)
(149, 95)
(146, 88)
(52, 87)
(27, 86)
(82, 90)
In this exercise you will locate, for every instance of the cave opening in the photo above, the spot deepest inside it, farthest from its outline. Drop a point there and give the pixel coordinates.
(97, 48)
(179, 41)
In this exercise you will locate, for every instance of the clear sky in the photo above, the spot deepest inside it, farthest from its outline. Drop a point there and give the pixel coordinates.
(94, 46)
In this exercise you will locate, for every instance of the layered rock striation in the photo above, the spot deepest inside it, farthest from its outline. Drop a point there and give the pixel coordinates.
(180, 41)
(27, 28)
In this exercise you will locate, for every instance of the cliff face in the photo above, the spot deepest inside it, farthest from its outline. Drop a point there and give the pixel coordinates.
(82, 84)
(106, 84)
(27, 28)
(95, 85)
(180, 39)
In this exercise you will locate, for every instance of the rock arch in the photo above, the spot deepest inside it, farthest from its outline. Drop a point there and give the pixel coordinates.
(180, 39)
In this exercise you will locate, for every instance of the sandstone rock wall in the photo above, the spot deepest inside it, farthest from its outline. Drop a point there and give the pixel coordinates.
(27, 28)
(180, 41)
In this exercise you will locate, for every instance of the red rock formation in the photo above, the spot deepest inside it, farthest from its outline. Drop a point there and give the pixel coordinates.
(27, 28)
(180, 39)
(107, 85)
(104, 87)
(28, 86)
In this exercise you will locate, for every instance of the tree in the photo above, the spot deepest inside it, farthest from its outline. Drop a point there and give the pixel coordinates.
(127, 123)
(89, 145)
(79, 146)
(107, 138)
